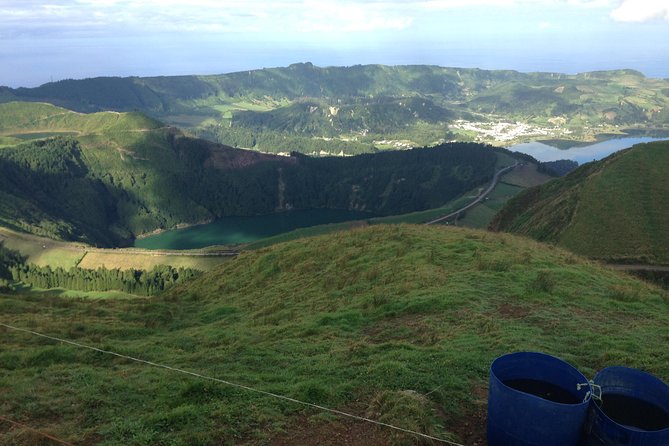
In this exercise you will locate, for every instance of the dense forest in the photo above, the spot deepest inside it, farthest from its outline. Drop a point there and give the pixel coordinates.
(8, 259)
(129, 281)
(46, 184)
(388, 183)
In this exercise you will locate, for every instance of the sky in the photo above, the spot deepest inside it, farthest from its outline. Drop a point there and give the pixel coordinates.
(42, 41)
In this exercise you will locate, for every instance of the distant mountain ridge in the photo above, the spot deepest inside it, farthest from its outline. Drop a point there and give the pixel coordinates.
(616, 209)
(360, 107)
(107, 177)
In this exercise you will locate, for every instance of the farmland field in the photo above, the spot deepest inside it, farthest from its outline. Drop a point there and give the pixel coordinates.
(118, 259)
(42, 252)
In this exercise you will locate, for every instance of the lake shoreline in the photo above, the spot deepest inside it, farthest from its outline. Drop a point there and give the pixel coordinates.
(177, 227)
(227, 231)
(578, 152)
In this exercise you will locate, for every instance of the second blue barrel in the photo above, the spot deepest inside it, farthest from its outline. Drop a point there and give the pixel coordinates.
(535, 399)
(633, 411)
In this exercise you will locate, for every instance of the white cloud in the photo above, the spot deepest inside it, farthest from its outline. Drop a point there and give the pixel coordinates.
(63, 17)
(133, 17)
(454, 4)
(332, 16)
(641, 11)
(591, 3)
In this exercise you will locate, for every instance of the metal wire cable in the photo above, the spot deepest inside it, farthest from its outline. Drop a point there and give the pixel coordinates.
(239, 386)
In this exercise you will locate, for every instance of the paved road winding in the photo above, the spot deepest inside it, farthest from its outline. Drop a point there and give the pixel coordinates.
(493, 183)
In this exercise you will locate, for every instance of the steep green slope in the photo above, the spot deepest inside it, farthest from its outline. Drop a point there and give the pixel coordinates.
(398, 323)
(616, 209)
(23, 117)
(119, 175)
(363, 107)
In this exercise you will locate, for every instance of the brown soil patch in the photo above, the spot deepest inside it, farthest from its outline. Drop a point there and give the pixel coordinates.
(340, 432)
(471, 429)
(511, 311)
(224, 157)
(395, 329)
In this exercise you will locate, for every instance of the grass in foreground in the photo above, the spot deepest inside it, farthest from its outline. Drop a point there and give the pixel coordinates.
(367, 320)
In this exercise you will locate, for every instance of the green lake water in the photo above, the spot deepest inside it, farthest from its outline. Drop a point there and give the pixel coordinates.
(231, 230)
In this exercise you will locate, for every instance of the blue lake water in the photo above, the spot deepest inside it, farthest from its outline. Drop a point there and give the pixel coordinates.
(580, 153)
(231, 230)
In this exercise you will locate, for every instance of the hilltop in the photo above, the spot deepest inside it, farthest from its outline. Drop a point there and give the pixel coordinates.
(615, 209)
(104, 178)
(24, 119)
(398, 323)
(369, 107)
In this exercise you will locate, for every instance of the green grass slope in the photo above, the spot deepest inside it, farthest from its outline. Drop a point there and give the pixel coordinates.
(20, 121)
(398, 323)
(616, 209)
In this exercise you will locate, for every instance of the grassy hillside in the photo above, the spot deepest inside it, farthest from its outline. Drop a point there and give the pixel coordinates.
(118, 175)
(368, 107)
(615, 209)
(24, 118)
(399, 323)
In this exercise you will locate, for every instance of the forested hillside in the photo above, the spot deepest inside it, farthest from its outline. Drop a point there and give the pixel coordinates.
(366, 107)
(107, 184)
(616, 209)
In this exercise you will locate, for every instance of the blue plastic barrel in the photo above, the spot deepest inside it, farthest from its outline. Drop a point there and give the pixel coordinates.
(535, 399)
(634, 410)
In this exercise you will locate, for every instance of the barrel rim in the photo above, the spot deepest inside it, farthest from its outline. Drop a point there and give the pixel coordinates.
(599, 410)
(586, 400)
